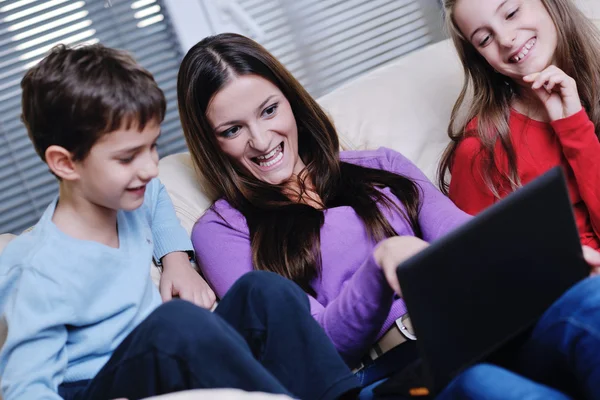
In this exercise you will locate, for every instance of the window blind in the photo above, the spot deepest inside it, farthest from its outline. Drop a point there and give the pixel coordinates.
(28, 29)
(325, 43)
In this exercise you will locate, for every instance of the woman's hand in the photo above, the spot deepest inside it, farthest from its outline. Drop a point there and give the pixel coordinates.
(390, 252)
(557, 91)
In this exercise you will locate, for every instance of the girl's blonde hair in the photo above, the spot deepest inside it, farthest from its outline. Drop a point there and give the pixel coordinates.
(487, 94)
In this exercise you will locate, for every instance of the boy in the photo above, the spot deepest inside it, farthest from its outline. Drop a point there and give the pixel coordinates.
(84, 318)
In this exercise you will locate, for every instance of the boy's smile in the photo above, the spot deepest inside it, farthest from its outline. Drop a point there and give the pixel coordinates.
(115, 173)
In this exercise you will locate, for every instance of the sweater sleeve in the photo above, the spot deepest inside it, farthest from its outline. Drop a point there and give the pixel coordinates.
(581, 148)
(467, 188)
(33, 359)
(224, 254)
(167, 232)
(437, 214)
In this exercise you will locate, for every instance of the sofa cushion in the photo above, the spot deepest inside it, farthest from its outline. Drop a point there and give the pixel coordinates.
(220, 394)
(405, 105)
(189, 198)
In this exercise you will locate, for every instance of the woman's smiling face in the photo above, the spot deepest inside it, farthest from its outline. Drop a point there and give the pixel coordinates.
(256, 128)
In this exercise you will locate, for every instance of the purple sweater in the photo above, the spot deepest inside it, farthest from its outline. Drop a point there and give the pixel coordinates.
(354, 303)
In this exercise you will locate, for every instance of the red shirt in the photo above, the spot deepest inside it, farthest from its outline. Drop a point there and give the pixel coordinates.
(539, 146)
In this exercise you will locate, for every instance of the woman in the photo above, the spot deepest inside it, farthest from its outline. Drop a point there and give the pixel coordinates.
(336, 223)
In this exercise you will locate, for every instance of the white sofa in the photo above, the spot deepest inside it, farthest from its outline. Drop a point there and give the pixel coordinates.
(404, 106)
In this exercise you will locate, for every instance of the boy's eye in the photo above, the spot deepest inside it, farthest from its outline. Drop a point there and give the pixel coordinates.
(126, 160)
(270, 111)
(231, 132)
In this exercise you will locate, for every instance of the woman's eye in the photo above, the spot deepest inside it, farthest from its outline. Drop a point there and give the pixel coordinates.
(269, 111)
(234, 130)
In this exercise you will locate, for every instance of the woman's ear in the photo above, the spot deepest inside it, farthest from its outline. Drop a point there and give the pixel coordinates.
(60, 161)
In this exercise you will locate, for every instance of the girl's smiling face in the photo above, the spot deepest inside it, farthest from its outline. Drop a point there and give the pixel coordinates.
(516, 37)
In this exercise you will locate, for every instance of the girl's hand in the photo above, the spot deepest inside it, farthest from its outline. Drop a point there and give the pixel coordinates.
(557, 91)
(593, 259)
(390, 252)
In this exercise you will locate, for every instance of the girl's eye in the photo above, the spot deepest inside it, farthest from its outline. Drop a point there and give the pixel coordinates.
(512, 14)
(270, 111)
(234, 130)
(485, 41)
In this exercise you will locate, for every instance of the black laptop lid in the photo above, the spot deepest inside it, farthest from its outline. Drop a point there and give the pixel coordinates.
(478, 287)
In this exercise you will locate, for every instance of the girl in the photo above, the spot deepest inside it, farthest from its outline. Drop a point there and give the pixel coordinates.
(533, 67)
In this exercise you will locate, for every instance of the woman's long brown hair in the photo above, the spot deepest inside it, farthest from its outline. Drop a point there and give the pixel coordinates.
(487, 95)
(284, 234)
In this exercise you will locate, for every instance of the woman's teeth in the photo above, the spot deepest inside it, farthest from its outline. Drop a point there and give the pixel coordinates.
(524, 51)
(271, 158)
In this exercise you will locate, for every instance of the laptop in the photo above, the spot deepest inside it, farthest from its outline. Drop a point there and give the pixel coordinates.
(485, 284)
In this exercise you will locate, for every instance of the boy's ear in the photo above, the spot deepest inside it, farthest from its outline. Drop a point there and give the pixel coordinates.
(60, 161)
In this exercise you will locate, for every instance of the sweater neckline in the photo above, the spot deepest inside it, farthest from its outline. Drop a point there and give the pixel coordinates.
(528, 120)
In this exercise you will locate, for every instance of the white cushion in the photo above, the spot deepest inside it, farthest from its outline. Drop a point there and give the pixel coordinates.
(176, 172)
(405, 105)
(219, 394)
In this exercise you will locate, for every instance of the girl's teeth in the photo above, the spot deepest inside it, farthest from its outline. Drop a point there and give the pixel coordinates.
(525, 50)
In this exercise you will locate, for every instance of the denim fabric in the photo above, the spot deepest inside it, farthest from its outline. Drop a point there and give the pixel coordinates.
(560, 360)
(261, 337)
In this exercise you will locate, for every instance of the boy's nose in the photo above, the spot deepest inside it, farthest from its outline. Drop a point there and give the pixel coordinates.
(149, 170)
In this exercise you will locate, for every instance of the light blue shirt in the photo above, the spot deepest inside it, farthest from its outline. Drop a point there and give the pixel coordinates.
(69, 303)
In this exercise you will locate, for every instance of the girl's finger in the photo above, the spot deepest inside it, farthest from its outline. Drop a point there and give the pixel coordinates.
(531, 77)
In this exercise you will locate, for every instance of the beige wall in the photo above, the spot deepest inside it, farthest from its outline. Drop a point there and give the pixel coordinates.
(591, 8)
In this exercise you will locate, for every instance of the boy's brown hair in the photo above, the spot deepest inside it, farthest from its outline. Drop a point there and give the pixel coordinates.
(74, 96)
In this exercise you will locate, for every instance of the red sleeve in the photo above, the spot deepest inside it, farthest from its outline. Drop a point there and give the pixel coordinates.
(467, 187)
(581, 148)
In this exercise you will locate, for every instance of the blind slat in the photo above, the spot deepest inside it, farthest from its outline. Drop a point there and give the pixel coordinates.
(26, 186)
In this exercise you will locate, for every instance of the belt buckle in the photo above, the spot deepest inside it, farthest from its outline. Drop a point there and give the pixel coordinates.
(404, 330)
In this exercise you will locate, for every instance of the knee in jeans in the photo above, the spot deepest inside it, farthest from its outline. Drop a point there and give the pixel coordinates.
(178, 315)
(583, 296)
(473, 380)
(186, 325)
(269, 285)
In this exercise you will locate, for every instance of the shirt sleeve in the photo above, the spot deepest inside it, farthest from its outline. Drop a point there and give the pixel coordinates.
(167, 232)
(581, 148)
(467, 189)
(33, 359)
(438, 215)
(352, 320)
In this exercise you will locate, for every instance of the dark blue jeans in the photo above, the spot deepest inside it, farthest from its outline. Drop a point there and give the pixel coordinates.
(560, 360)
(261, 337)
